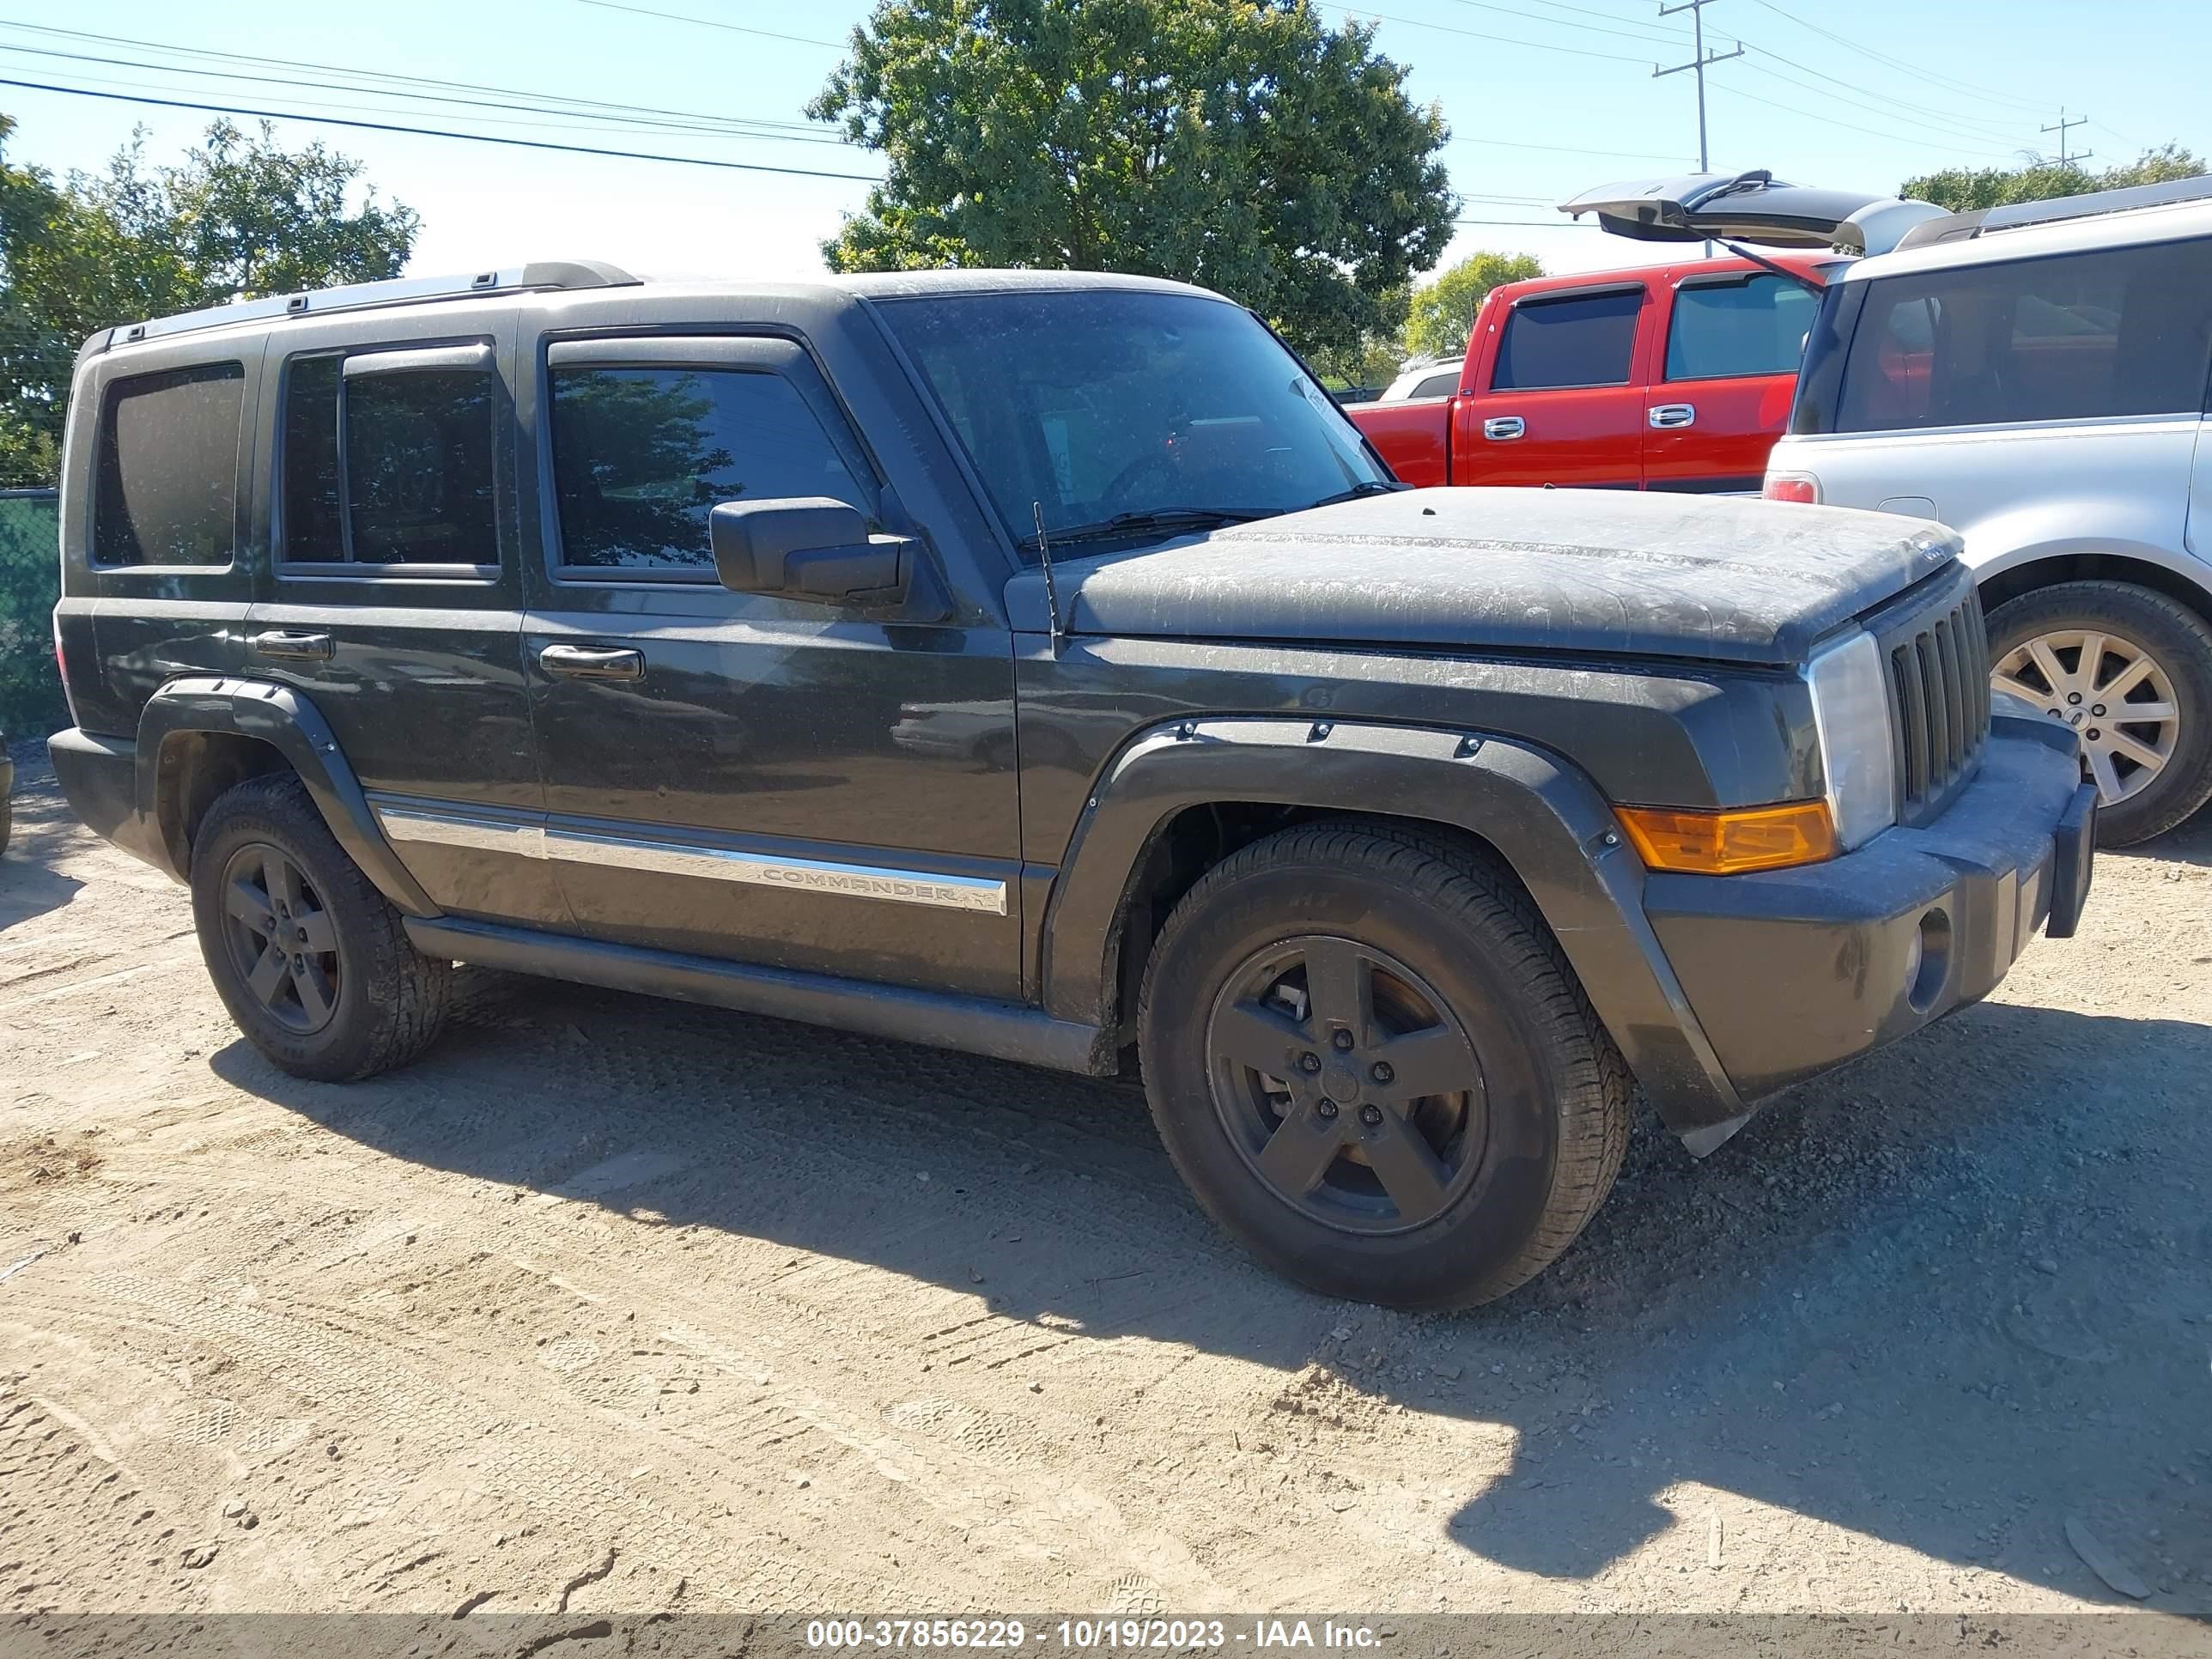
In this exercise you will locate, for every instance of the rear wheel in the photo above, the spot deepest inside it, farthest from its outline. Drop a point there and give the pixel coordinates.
(1369, 1062)
(2129, 671)
(313, 962)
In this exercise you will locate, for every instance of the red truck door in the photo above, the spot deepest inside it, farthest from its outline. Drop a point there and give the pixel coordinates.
(1721, 396)
(1557, 398)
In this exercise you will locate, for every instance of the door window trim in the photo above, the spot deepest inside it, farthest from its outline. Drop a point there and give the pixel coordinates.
(464, 352)
(699, 351)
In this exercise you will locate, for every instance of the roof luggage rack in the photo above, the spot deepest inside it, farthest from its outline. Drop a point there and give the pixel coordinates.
(1964, 227)
(558, 274)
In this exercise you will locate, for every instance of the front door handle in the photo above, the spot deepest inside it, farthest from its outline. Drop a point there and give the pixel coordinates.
(1666, 418)
(1500, 428)
(290, 643)
(593, 662)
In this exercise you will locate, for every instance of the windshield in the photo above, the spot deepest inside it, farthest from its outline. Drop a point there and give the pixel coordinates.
(1088, 405)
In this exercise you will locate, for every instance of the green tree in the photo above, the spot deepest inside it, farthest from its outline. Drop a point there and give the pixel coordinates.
(1964, 189)
(1442, 311)
(238, 218)
(1237, 143)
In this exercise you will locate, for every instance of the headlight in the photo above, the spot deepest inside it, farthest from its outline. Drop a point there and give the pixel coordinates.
(1851, 711)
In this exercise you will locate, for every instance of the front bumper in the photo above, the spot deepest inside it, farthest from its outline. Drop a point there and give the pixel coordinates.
(1790, 972)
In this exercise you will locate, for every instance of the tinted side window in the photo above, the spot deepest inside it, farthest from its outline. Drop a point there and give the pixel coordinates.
(1438, 386)
(167, 464)
(1589, 340)
(1722, 329)
(2072, 336)
(419, 466)
(313, 507)
(640, 456)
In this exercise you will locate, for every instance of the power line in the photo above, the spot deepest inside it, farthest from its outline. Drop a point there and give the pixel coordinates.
(1948, 82)
(566, 115)
(385, 75)
(1851, 126)
(1944, 125)
(711, 23)
(434, 132)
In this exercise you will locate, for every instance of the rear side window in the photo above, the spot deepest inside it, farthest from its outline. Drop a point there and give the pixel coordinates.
(1722, 331)
(1588, 339)
(418, 467)
(1438, 386)
(641, 456)
(2114, 332)
(167, 488)
(393, 467)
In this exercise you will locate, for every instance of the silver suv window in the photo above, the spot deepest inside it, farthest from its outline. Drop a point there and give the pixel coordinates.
(2071, 336)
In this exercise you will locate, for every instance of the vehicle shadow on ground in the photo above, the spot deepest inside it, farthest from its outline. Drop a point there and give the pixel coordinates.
(1937, 1298)
(29, 886)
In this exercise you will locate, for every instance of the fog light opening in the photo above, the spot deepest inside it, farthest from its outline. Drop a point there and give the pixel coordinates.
(1928, 960)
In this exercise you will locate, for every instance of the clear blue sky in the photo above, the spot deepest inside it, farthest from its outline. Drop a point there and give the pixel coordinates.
(1862, 94)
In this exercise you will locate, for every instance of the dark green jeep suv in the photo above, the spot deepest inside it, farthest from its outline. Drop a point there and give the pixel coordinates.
(1039, 665)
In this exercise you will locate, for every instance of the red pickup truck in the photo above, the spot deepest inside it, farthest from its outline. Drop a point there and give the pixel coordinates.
(1677, 377)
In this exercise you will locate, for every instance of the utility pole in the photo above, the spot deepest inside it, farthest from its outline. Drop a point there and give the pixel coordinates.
(1699, 58)
(2064, 159)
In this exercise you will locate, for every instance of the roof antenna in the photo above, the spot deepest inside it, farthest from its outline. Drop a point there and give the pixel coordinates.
(1051, 592)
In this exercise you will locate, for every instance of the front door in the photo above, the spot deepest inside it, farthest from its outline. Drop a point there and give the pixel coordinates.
(1561, 402)
(793, 785)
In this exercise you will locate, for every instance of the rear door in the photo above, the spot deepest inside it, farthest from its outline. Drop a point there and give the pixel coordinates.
(396, 603)
(1561, 399)
(1726, 372)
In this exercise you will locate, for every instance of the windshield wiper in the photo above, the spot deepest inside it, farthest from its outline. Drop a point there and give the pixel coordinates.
(1138, 524)
(1364, 487)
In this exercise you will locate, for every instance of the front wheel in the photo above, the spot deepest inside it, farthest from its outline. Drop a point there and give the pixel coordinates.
(2130, 671)
(313, 961)
(1371, 1064)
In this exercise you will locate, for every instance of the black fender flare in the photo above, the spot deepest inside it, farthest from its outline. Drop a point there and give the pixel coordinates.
(289, 723)
(1544, 817)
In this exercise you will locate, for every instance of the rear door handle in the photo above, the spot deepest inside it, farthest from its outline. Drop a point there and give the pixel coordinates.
(593, 662)
(1666, 416)
(1500, 428)
(288, 643)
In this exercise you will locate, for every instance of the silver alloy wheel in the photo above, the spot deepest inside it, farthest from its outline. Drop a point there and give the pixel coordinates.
(2112, 692)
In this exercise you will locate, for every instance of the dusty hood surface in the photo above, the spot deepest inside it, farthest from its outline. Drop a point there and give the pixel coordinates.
(1573, 570)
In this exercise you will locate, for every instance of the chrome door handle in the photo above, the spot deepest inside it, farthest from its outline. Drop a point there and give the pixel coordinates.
(1666, 416)
(1499, 428)
(593, 662)
(286, 642)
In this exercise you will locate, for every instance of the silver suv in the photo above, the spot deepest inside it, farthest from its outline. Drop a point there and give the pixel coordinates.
(2036, 377)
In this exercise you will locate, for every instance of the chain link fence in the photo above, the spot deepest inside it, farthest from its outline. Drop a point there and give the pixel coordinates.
(31, 703)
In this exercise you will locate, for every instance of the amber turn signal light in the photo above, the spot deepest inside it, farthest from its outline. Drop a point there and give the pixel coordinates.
(1730, 842)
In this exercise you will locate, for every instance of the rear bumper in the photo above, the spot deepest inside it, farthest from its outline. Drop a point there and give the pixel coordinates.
(100, 776)
(1790, 972)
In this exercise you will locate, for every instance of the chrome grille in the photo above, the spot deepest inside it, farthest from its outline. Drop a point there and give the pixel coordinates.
(1939, 689)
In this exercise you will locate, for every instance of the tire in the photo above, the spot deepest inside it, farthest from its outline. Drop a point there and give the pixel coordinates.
(2137, 623)
(365, 999)
(1452, 954)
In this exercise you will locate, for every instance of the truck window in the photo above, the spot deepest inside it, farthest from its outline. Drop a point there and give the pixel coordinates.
(1755, 326)
(2071, 336)
(314, 505)
(641, 456)
(1584, 339)
(166, 491)
(418, 467)
(1438, 386)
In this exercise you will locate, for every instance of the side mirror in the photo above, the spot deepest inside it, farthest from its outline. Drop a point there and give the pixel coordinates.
(808, 547)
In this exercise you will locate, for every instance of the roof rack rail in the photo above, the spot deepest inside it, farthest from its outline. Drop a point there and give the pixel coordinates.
(1964, 227)
(357, 296)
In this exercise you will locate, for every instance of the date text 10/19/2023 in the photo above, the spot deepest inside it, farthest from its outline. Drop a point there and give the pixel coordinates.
(1106, 1635)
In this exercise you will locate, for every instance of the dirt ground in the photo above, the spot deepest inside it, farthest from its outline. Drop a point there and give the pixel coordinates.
(619, 1305)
